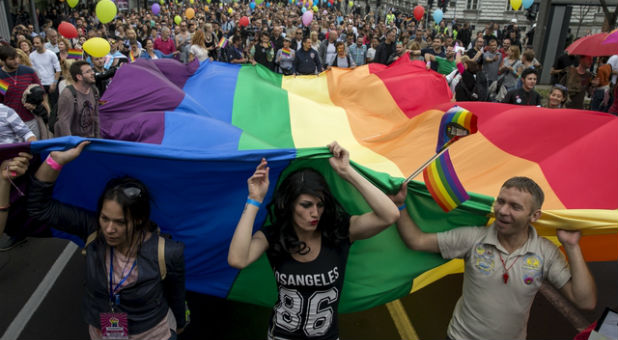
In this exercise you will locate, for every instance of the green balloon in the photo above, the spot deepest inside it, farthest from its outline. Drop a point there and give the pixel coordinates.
(72, 3)
(257, 2)
(177, 19)
(162, 2)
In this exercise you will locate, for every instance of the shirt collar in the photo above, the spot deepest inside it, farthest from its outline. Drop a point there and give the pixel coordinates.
(492, 238)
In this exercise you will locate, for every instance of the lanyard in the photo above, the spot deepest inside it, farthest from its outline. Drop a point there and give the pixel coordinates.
(114, 298)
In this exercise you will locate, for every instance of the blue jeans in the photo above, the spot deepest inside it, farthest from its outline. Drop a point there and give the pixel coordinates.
(596, 101)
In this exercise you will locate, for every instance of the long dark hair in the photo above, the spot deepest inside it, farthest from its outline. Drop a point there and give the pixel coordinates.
(334, 222)
(134, 198)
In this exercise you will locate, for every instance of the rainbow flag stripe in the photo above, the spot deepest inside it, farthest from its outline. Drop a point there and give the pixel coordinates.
(131, 56)
(456, 117)
(286, 52)
(222, 43)
(387, 117)
(4, 86)
(443, 184)
(75, 54)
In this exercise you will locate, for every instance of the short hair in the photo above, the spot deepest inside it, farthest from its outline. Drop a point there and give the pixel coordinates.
(528, 55)
(528, 185)
(76, 68)
(37, 37)
(528, 72)
(7, 52)
(492, 39)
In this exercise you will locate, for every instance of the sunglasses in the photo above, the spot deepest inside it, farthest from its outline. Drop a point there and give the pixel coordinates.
(561, 87)
(132, 192)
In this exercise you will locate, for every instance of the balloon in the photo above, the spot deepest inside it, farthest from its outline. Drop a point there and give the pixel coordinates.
(162, 2)
(229, 10)
(419, 11)
(155, 9)
(315, 8)
(515, 4)
(438, 14)
(303, 10)
(267, 4)
(258, 2)
(329, 4)
(252, 5)
(206, 9)
(106, 11)
(190, 13)
(351, 3)
(67, 30)
(309, 3)
(96, 47)
(307, 18)
(191, 1)
(324, 12)
(527, 3)
(208, 1)
(72, 3)
(177, 19)
(243, 22)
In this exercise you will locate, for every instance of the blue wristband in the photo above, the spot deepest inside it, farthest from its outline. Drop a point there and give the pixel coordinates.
(401, 207)
(253, 202)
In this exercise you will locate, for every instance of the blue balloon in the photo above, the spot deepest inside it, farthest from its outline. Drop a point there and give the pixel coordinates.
(329, 4)
(437, 15)
(252, 5)
(527, 3)
(304, 10)
(267, 4)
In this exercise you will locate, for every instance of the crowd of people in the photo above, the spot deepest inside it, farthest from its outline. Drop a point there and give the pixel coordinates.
(51, 87)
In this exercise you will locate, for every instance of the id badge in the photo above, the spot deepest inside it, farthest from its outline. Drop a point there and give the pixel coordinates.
(114, 325)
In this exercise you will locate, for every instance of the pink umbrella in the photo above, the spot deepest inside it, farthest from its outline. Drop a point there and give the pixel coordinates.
(612, 38)
(592, 45)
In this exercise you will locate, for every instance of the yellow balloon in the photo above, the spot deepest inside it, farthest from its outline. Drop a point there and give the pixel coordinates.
(177, 19)
(206, 9)
(191, 1)
(208, 1)
(190, 13)
(106, 11)
(516, 4)
(315, 8)
(351, 3)
(229, 10)
(96, 47)
(72, 3)
(162, 2)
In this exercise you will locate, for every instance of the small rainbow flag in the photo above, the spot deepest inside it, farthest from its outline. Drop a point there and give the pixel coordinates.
(4, 86)
(286, 52)
(443, 184)
(75, 53)
(456, 123)
(131, 56)
(222, 43)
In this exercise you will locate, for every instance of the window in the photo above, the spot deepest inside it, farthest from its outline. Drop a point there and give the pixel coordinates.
(472, 4)
(508, 6)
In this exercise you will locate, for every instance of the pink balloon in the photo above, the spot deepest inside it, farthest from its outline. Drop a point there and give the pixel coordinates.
(307, 18)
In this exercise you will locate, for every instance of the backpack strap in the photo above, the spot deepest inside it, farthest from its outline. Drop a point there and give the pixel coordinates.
(161, 256)
(91, 237)
(74, 93)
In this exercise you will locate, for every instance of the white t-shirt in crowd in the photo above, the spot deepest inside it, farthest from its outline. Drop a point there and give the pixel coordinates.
(46, 65)
(331, 52)
(613, 62)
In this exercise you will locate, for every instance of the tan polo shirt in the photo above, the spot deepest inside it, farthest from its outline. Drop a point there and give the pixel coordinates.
(488, 307)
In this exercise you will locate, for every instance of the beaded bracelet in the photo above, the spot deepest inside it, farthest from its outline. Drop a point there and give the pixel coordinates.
(401, 207)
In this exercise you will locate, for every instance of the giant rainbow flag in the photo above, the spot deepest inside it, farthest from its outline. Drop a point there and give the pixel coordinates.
(195, 133)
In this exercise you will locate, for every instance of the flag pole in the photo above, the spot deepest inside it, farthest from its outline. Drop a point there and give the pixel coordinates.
(426, 164)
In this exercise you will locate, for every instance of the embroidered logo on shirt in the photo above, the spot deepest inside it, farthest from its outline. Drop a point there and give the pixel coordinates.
(484, 259)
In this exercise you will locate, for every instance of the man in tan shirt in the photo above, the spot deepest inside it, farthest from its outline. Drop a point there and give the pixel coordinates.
(505, 264)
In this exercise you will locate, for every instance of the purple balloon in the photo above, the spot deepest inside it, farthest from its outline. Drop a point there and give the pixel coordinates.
(307, 18)
(156, 9)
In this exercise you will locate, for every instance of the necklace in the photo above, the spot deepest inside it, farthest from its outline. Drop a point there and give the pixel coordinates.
(505, 276)
(12, 77)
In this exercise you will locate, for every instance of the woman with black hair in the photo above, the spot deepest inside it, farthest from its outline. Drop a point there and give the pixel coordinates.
(135, 284)
(307, 243)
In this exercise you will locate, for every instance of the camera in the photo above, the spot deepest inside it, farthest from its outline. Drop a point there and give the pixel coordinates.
(36, 95)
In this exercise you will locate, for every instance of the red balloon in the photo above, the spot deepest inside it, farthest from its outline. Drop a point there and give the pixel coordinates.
(67, 30)
(243, 22)
(419, 11)
(330, 2)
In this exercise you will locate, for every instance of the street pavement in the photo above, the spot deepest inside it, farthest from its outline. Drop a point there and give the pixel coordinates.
(54, 312)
